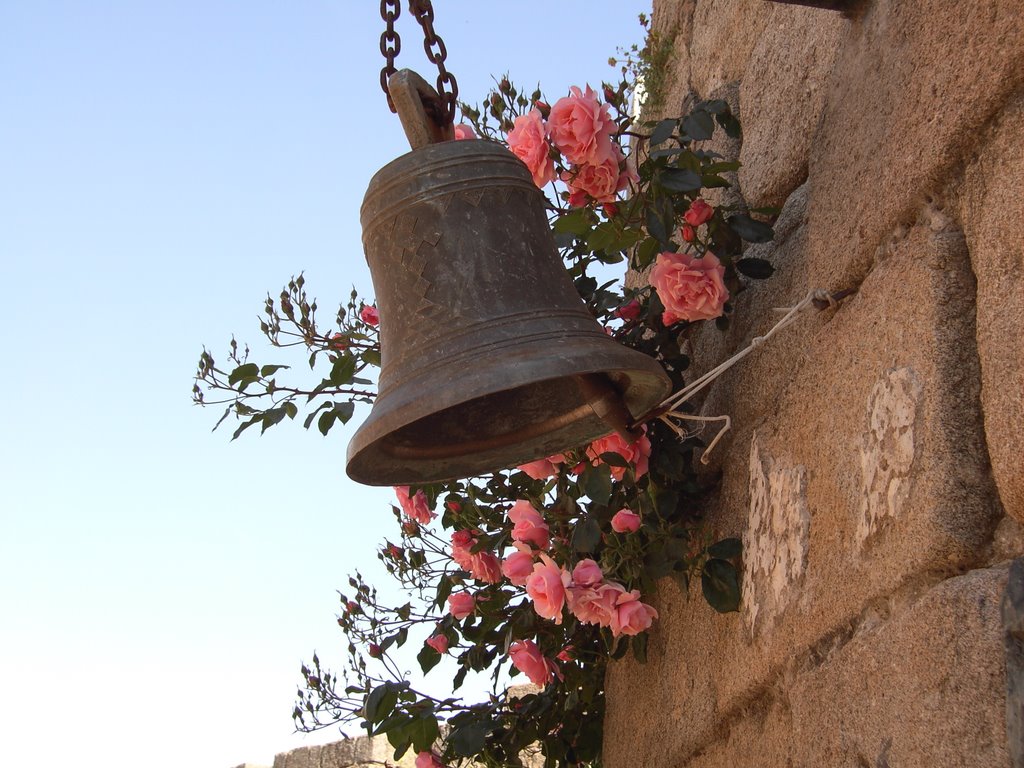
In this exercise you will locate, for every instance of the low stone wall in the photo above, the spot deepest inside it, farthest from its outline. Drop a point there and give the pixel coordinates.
(874, 466)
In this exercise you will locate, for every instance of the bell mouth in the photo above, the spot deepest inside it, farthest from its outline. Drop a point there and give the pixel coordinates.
(433, 438)
(506, 418)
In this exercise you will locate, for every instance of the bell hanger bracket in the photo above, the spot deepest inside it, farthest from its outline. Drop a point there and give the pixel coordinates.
(421, 110)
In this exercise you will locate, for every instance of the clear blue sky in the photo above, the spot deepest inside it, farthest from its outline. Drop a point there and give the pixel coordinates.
(163, 165)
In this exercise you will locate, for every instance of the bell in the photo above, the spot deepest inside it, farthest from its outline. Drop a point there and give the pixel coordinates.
(489, 358)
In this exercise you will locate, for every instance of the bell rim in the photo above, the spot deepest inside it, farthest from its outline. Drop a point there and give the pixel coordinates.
(648, 385)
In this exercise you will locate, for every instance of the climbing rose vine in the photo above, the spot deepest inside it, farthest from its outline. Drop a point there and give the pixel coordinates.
(544, 572)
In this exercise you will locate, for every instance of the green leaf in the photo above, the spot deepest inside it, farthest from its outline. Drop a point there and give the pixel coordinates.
(720, 584)
(273, 417)
(640, 647)
(340, 412)
(428, 658)
(601, 237)
(722, 167)
(727, 549)
(713, 181)
(395, 723)
(666, 152)
(699, 125)
(423, 731)
(586, 535)
(470, 739)
(614, 459)
(270, 370)
(731, 125)
(662, 131)
(371, 357)
(254, 420)
(749, 229)
(577, 222)
(380, 702)
(444, 589)
(243, 372)
(343, 370)
(310, 417)
(596, 482)
(679, 180)
(646, 253)
(759, 269)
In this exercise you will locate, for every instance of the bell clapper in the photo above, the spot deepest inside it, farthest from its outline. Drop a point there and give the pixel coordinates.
(607, 403)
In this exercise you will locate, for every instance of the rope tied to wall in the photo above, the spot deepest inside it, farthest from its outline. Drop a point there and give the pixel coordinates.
(667, 410)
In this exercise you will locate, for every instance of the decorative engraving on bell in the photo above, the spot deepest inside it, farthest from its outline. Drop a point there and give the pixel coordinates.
(489, 357)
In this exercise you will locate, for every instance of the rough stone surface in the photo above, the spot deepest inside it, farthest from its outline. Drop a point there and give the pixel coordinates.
(1008, 540)
(726, 32)
(782, 97)
(776, 538)
(911, 691)
(991, 209)
(873, 468)
(350, 753)
(908, 95)
(887, 450)
(1013, 624)
(867, 433)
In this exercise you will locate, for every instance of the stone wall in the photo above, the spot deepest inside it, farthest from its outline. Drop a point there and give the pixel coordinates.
(874, 466)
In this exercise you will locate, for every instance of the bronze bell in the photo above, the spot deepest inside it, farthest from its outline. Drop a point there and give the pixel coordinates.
(490, 359)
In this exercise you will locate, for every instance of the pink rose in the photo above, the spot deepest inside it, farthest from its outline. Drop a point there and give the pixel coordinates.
(528, 142)
(631, 616)
(528, 659)
(395, 552)
(485, 566)
(698, 213)
(428, 760)
(595, 604)
(628, 311)
(369, 315)
(415, 507)
(540, 469)
(587, 573)
(463, 131)
(637, 453)
(339, 341)
(517, 567)
(461, 604)
(438, 642)
(529, 527)
(626, 521)
(600, 180)
(546, 587)
(453, 506)
(462, 542)
(580, 126)
(690, 288)
(688, 233)
(565, 654)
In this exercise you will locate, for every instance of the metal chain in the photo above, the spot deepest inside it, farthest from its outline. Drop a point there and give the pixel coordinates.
(391, 45)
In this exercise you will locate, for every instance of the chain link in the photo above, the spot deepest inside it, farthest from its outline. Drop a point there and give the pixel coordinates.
(390, 44)
(433, 45)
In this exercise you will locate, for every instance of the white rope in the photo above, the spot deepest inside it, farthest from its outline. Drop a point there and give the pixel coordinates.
(676, 399)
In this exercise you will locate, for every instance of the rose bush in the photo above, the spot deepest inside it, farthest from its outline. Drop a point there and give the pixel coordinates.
(548, 570)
